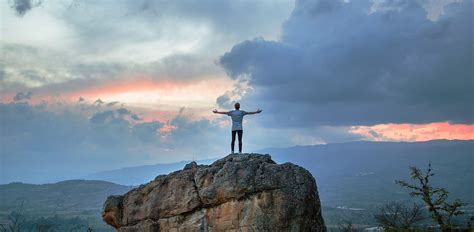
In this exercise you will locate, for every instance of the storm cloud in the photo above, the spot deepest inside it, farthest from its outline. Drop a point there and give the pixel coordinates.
(360, 63)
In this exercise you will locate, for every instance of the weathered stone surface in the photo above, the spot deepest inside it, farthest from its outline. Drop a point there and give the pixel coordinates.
(244, 192)
(112, 213)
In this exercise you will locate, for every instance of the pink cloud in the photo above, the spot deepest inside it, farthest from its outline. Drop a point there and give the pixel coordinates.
(209, 87)
(415, 132)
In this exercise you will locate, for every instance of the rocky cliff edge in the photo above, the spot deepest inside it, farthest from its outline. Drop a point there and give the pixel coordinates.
(241, 192)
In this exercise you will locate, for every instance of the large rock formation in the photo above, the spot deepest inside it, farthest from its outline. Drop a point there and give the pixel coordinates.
(244, 192)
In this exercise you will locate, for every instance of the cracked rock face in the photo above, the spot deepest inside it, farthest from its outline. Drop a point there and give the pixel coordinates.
(244, 192)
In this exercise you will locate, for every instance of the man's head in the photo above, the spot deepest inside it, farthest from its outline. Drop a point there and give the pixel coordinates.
(237, 105)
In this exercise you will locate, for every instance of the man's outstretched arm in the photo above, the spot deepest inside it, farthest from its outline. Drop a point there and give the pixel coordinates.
(219, 112)
(256, 112)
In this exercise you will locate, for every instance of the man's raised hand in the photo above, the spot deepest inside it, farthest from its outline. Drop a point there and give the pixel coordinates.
(259, 111)
(214, 111)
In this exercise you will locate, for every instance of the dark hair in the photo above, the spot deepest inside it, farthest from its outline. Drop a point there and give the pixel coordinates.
(237, 105)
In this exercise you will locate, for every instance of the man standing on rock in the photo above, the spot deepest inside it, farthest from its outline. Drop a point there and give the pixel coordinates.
(237, 115)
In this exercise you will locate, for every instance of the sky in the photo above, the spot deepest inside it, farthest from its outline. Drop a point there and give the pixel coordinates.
(87, 85)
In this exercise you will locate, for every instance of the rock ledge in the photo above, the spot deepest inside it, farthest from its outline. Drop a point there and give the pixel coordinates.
(241, 192)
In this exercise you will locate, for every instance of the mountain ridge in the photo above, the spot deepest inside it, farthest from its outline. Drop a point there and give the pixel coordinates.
(165, 168)
(348, 177)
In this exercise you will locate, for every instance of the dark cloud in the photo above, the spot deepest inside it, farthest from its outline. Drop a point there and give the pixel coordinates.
(23, 6)
(181, 110)
(148, 131)
(224, 101)
(123, 111)
(112, 103)
(117, 115)
(22, 96)
(102, 117)
(337, 63)
(374, 134)
(136, 117)
(98, 102)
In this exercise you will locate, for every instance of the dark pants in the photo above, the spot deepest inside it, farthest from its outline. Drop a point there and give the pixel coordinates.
(239, 133)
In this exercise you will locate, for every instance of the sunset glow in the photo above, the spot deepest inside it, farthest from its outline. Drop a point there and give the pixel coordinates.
(98, 85)
(142, 92)
(415, 132)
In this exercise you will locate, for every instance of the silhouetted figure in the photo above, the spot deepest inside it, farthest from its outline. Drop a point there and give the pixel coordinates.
(237, 115)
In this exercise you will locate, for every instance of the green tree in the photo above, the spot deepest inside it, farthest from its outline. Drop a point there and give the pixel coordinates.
(442, 212)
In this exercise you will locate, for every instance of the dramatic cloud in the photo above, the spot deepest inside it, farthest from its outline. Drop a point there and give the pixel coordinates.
(357, 63)
(171, 27)
(93, 85)
(51, 142)
(83, 41)
(40, 143)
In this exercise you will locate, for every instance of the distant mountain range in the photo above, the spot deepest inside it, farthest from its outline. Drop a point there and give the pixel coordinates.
(354, 176)
(362, 174)
(140, 174)
(63, 203)
(354, 179)
(347, 172)
(71, 197)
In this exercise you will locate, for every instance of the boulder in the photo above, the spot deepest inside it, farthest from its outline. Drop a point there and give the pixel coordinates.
(241, 192)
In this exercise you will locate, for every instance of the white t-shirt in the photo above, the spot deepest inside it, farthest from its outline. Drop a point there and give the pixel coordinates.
(237, 116)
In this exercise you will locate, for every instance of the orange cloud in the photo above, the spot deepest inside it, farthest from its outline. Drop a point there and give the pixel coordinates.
(415, 132)
(114, 87)
(102, 88)
(168, 128)
(146, 90)
(144, 93)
